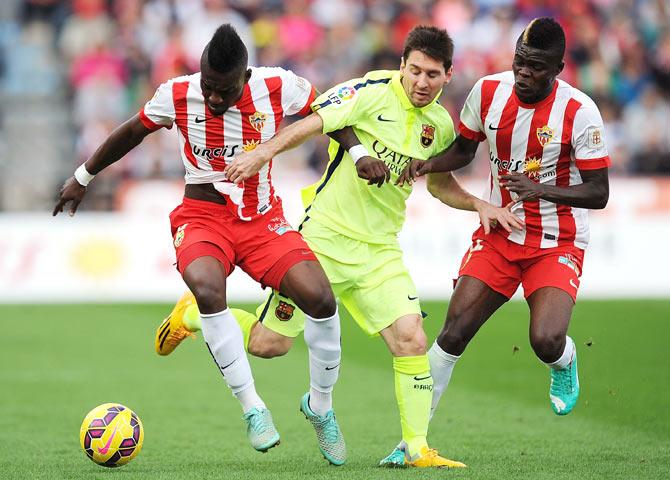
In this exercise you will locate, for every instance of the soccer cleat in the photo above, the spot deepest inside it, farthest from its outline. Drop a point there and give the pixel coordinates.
(430, 458)
(328, 434)
(396, 459)
(261, 430)
(172, 331)
(564, 388)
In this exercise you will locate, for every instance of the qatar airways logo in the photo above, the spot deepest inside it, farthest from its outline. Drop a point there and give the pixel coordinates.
(213, 153)
(394, 160)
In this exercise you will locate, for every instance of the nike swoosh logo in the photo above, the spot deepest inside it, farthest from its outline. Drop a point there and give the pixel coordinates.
(418, 379)
(200, 120)
(572, 283)
(411, 298)
(333, 368)
(382, 119)
(491, 127)
(105, 449)
(223, 368)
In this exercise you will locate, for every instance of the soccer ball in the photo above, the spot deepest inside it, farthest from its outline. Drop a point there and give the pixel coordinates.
(111, 435)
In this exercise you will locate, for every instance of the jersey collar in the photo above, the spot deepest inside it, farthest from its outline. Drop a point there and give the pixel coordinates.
(398, 89)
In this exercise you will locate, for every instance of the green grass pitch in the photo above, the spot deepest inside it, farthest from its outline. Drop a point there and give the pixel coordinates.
(58, 362)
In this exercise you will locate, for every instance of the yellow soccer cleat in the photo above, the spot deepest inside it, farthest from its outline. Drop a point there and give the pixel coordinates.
(430, 458)
(173, 330)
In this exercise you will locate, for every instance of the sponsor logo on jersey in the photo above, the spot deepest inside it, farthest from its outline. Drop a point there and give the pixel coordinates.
(227, 151)
(531, 167)
(284, 311)
(427, 135)
(179, 236)
(257, 120)
(394, 160)
(545, 135)
(249, 145)
(279, 225)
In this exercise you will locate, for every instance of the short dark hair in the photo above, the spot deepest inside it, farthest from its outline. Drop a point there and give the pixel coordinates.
(432, 41)
(226, 51)
(544, 33)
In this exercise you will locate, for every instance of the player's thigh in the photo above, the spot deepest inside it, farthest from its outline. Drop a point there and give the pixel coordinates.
(382, 295)
(550, 313)
(560, 268)
(306, 283)
(471, 305)
(487, 262)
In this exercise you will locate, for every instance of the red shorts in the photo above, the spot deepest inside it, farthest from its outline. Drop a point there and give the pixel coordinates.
(265, 248)
(503, 265)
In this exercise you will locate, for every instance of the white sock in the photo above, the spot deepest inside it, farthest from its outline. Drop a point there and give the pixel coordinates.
(322, 336)
(226, 345)
(567, 356)
(441, 366)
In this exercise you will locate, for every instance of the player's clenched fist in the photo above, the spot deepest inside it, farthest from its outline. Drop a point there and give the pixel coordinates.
(72, 191)
(375, 171)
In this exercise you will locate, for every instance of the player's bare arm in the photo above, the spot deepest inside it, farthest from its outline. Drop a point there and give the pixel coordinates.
(121, 141)
(459, 154)
(593, 193)
(248, 164)
(369, 168)
(446, 188)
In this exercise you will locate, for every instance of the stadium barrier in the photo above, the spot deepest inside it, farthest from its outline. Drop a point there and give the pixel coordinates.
(128, 256)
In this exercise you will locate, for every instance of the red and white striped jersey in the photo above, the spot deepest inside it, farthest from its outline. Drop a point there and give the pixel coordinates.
(550, 141)
(208, 143)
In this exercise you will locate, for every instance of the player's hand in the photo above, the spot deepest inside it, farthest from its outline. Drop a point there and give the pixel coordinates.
(246, 165)
(72, 191)
(375, 171)
(521, 185)
(492, 216)
(413, 170)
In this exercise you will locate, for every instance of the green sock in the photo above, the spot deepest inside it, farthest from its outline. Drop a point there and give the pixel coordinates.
(414, 393)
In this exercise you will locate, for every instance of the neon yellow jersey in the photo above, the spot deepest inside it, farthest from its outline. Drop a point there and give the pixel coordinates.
(393, 130)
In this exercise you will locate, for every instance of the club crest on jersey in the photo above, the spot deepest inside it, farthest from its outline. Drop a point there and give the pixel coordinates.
(545, 135)
(257, 120)
(284, 311)
(249, 145)
(427, 134)
(179, 236)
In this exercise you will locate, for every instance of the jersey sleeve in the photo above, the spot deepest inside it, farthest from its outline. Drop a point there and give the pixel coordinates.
(343, 105)
(297, 94)
(470, 125)
(159, 111)
(587, 139)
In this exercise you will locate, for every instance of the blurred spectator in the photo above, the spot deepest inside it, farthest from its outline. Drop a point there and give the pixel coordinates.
(113, 53)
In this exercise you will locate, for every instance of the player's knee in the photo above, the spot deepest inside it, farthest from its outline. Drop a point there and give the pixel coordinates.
(548, 346)
(319, 301)
(452, 341)
(211, 298)
(410, 342)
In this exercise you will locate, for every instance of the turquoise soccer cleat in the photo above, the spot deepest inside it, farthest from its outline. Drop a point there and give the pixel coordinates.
(564, 388)
(396, 459)
(261, 430)
(328, 434)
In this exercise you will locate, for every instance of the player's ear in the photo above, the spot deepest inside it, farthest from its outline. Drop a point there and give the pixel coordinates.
(402, 63)
(247, 75)
(448, 75)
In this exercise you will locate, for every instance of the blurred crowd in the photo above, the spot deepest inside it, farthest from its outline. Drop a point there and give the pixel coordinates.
(104, 58)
